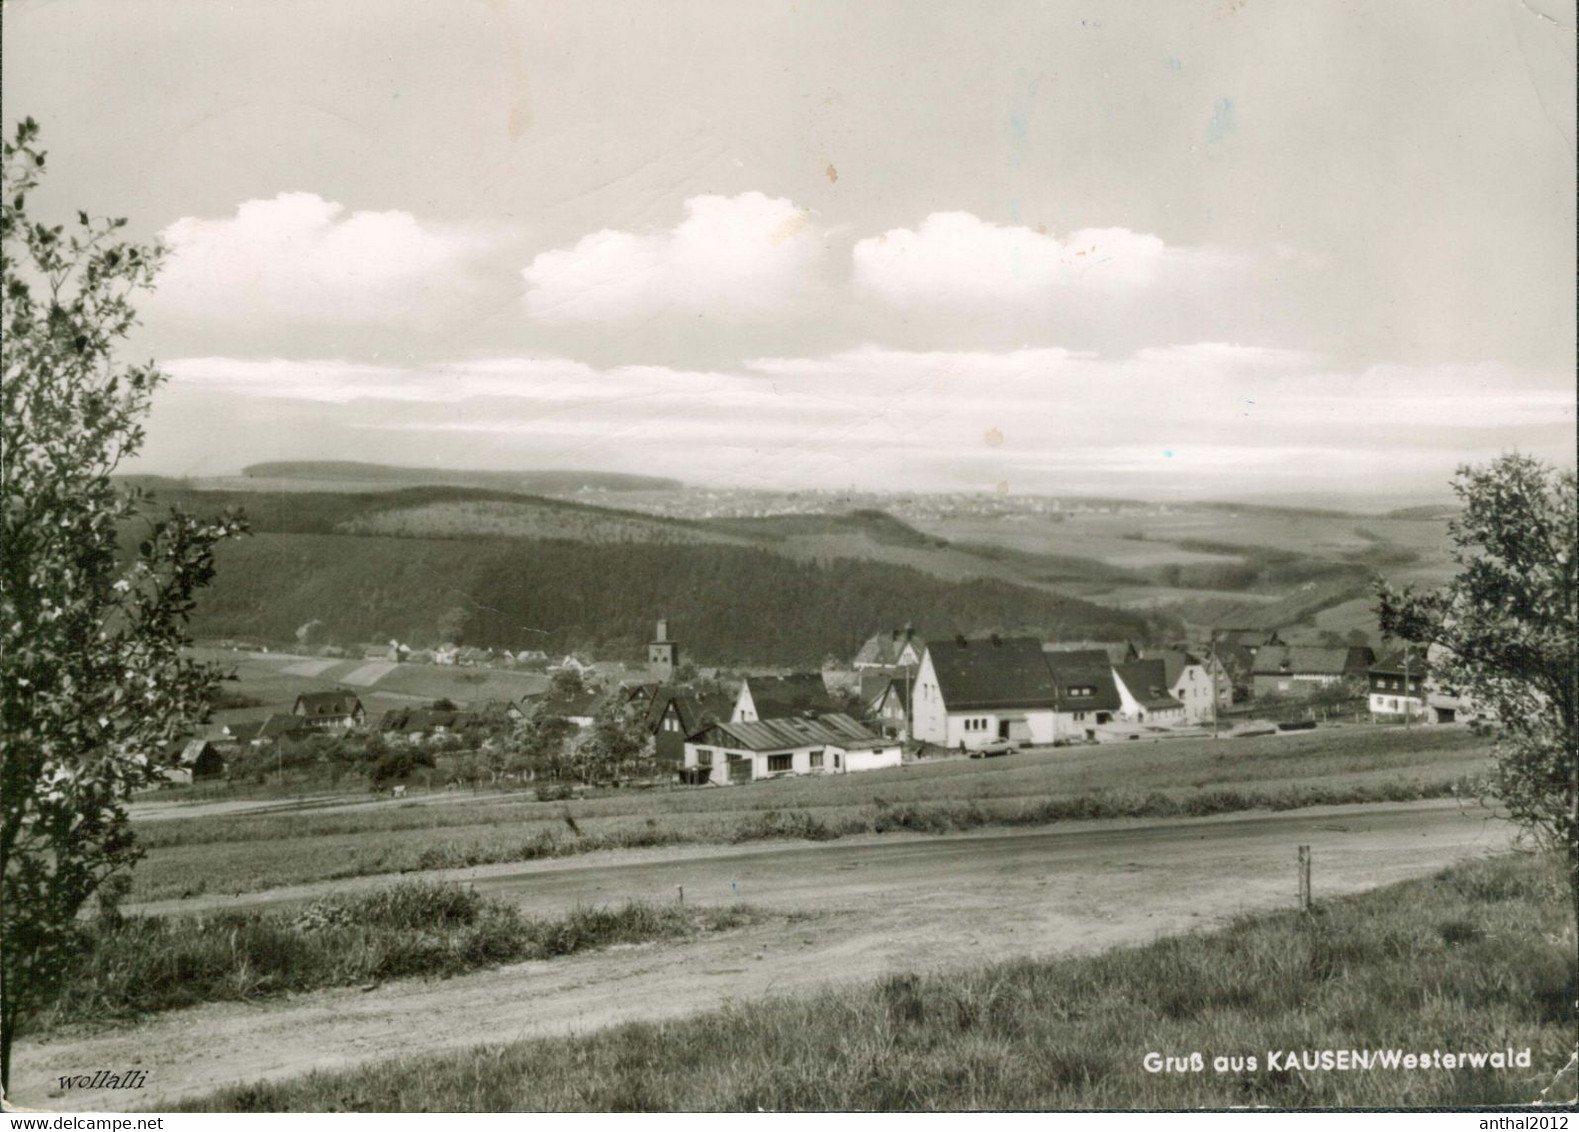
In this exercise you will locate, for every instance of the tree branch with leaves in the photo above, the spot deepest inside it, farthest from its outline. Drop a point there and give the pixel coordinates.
(93, 683)
(1504, 633)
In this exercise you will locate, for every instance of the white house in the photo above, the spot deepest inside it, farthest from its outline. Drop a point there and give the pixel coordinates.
(1190, 679)
(1085, 693)
(890, 710)
(742, 751)
(1142, 687)
(1398, 688)
(970, 692)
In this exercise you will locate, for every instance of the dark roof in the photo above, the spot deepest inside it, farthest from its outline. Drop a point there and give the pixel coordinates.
(1095, 658)
(694, 711)
(582, 703)
(779, 697)
(1173, 661)
(837, 730)
(244, 730)
(1393, 664)
(320, 704)
(896, 688)
(278, 724)
(1074, 671)
(1147, 681)
(884, 648)
(875, 681)
(494, 710)
(1006, 672)
(430, 719)
(1284, 659)
(196, 749)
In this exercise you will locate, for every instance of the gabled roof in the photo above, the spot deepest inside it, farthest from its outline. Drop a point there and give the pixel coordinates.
(1283, 660)
(567, 704)
(895, 688)
(837, 730)
(875, 681)
(317, 705)
(195, 749)
(779, 697)
(1174, 662)
(1393, 664)
(422, 720)
(982, 673)
(495, 710)
(694, 711)
(1083, 679)
(885, 648)
(279, 724)
(1147, 681)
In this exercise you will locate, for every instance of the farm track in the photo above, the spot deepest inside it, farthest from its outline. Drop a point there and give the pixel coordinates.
(875, 906)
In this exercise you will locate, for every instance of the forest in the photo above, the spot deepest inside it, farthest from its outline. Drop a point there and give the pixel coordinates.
(730, 605)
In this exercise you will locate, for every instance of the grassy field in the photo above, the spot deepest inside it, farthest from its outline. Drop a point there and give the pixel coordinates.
(1476, 959)
(144, 964)
(276, 679)
(248, 852)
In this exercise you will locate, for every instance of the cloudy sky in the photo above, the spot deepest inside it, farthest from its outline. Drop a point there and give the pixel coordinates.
(1223, 248)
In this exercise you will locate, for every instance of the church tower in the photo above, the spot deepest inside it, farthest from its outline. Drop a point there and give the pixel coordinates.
(663, 655)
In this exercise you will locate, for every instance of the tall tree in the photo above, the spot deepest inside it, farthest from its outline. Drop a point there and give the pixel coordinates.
(92, 680)
(616, 738)
(1505, 634)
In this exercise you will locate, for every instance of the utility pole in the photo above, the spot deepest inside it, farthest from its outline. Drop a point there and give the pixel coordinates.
(1212, 671)
(1405, 699)
(910, 726)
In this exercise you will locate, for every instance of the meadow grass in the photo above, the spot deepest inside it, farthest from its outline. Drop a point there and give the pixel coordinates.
(1478, 958)
(143, 964)
(241, 852)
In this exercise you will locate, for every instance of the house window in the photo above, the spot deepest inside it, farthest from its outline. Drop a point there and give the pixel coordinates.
(816, 759)
(1079, 715)
(704, 757)
(1082, 690)
(777, 763)
(838, 761)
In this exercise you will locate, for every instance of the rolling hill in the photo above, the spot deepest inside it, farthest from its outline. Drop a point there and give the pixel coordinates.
(733, 605)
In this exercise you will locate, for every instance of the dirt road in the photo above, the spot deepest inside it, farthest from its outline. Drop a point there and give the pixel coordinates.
(878, 906)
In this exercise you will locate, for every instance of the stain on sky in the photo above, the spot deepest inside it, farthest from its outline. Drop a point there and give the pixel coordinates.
(1222, 123)
(1020, 121)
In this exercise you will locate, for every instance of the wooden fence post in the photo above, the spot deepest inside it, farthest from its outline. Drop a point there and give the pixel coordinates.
(1304, 878)
(680, 888)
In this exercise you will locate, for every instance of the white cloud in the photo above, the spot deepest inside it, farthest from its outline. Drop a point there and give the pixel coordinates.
(734, 257)
(300, 257)
(957, 260)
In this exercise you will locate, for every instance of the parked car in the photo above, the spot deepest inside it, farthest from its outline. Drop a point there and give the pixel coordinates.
(994, 749)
